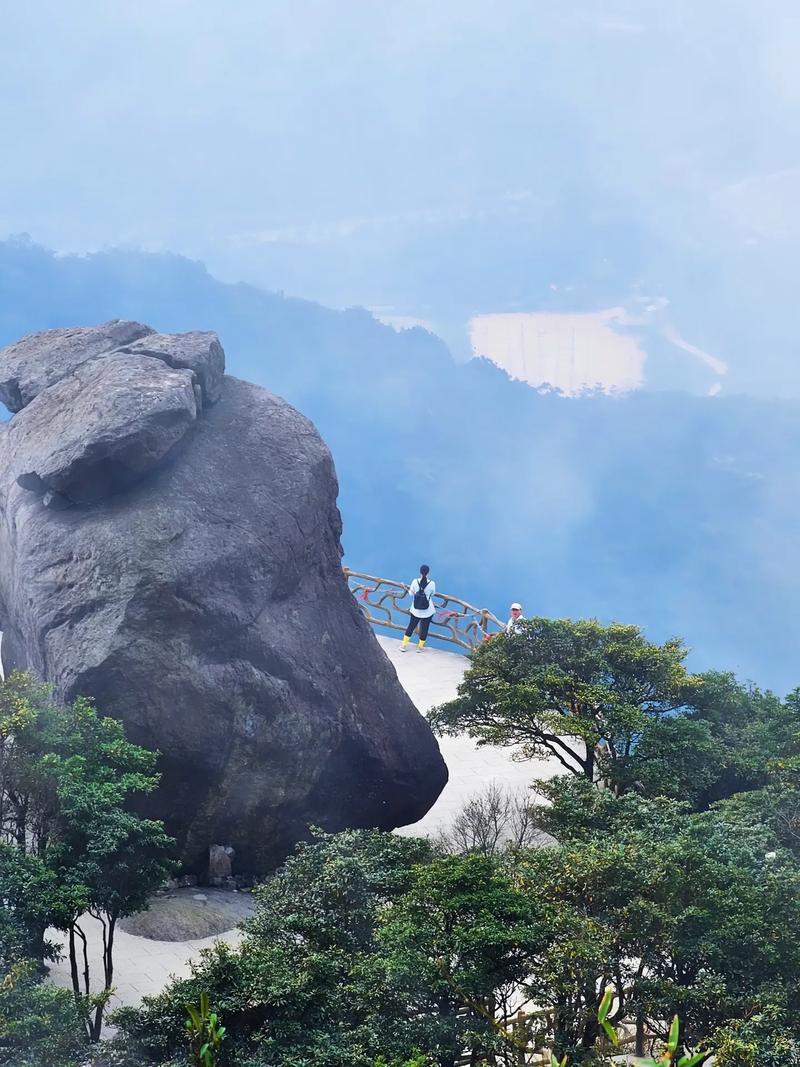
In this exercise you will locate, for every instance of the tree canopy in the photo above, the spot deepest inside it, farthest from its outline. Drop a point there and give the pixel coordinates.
(577, 691)
(611, 706)
(689, 913)
(366, 945)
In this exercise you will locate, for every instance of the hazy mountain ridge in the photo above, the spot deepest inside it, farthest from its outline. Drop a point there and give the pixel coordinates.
(677, 512)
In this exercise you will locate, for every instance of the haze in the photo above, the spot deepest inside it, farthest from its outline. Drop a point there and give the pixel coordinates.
(433, 160)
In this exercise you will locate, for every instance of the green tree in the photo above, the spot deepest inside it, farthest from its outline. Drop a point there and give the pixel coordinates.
(753, 730)
(295, 993)
(367, 945)
(576, 691)
(363, 945)
(602, 919)
(27, 801)
(456, 947)
(66, 779)
(40, 1025)
(777, 802)
(693, 914)
(31, 899)
(118, 856)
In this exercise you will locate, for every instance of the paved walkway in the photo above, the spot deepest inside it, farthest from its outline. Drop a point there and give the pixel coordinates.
(143, 967)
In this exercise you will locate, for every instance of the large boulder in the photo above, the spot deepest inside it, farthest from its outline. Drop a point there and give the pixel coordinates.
(204, 605)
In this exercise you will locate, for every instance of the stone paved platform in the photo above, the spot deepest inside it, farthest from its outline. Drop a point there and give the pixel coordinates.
(143, 967)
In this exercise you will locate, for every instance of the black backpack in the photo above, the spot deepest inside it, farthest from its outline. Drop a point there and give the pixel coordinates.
(421, 601)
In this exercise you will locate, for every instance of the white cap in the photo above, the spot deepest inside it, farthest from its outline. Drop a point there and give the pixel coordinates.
(517, 606)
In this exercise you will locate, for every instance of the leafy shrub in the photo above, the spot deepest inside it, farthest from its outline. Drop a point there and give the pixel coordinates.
(762, 1040)
(39, 1023)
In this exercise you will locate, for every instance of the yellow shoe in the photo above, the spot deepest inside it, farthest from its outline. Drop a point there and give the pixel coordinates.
(404, 644)
(421, 646)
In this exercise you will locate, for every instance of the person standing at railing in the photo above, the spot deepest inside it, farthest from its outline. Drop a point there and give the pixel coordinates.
(422, 610)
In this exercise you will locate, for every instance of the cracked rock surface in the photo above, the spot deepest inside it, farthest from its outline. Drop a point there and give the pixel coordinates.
(102, 427)
(42, 359)
(179, 561)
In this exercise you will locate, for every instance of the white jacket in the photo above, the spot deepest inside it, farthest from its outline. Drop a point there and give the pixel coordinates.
(429, 590)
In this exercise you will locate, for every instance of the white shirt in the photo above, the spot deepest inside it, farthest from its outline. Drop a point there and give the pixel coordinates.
(429, 590)
(513, 626)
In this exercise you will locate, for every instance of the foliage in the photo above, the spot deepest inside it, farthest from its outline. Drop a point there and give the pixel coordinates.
(296, 991)
(754, 733)
(576, 691)
(730, 740)
(688, 913)
(39, 1024)
(70, 844)
(206, 1033)
(31, 899)
(364, 944)
(26, 795)
(764, 1039)
(612, 707)
(457, 945)
(415, 1061)
(777, 803)
(367, 944)
(673, 1057)
(575, 810)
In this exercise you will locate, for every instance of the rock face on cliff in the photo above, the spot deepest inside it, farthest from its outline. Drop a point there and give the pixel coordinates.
(169, 545)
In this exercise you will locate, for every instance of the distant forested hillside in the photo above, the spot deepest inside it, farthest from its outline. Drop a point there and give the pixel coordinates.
(680, 513)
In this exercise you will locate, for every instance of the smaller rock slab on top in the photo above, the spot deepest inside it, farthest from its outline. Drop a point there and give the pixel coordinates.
(198, 351)
(101, 428)
(31, 365)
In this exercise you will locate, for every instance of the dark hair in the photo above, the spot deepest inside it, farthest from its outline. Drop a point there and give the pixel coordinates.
(424, 569)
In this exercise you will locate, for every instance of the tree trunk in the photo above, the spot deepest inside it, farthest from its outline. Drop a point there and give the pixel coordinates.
(73, 963)
(591, 1032)
(21, 832)
(588, 764)
(108, 973)
(108, 952)
(76, 982)
(36, 945)
(639, 1034)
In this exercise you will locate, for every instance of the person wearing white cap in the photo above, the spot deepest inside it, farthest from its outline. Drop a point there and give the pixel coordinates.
(514, 624)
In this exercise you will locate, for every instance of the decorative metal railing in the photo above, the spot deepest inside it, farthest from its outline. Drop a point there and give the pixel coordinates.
(456, 622)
